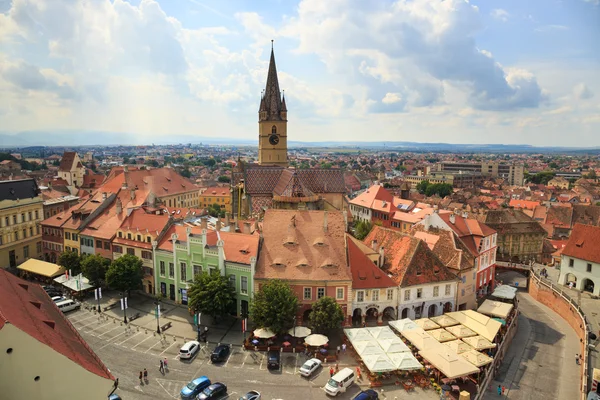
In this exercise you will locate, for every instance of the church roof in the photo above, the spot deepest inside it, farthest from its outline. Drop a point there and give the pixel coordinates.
(290, 185)
(263, 180)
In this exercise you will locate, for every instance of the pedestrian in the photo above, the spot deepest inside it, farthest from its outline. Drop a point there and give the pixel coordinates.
(330, 372)
(358, 373)
(344, 348)
(503, 390)
(499, 390)
(145, 375)
(141, 375)
(161, 368)
(337, 368)
(338, 350)
(165, 364)
(577, 359)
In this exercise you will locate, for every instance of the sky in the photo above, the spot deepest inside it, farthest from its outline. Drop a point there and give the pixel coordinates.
(453, 71)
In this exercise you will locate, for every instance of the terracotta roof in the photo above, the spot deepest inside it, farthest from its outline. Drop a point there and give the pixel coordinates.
(160, 181)
(408, 259)
(365, 274)
(589, 215)
(58, 220)
(296, 246)
(539, 213)
(239, 247)
(141, 221)
(450, 249)
(66, 163)
(182, 212)
(91, 181)
(216, 191)
(530, 205)
(260, 179)
(166, 243)
(583, 243)
(26, 306)
(559, 217)
(375, 197)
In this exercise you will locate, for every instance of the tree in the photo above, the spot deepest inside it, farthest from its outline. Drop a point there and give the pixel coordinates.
(326, 314)
(125, 273)
(94, 268)
(440, 189)
(422, 186)
(591, 174)
(186, 173)
(215, 210)
(362, 230)
(274, 306)
(211, 294)
(71, 261)
(224, 179)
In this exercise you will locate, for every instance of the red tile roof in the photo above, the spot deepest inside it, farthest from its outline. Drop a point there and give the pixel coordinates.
(530, 205)
(141, 221)
(216, 191)
(239, 247)
(375, 197)
(66, 163)
(583, 243)
(166, 243)
(365, 274)
(26, 306)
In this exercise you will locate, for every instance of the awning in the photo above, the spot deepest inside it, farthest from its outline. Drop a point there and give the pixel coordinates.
(42, 268)
(77, 283)
(505, 292)
(479, 343)
(405, 361)
(495, 309)
(394, 345)
(482, 324)
(367, 348)
(461, 331)
(476, 358)
(381, 332)
(444, 320)
(379, 363)
(421, 339)
(427, 324)
(358, 334)
(448, 362)
(441, 335)
(458, 346)
(405, 324)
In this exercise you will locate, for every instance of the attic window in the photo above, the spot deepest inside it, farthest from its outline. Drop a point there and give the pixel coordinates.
(165, 189)
(579, 243)
(362, 276)
(290, 241)
(418, 272)
(278, 264)
(244, 251)
(436, 270)
(24, 286)
(169, 179)
(51, 324)
(319, 242)
(36, 303)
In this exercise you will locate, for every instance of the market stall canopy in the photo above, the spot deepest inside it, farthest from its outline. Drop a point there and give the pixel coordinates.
(426, 324)
(476, 358)
(458, 346)
(358, 334)
(378, 363)
(478, 342)
(405, 324)
(461, 331)
(444, 320)
(42, 268)
(367, 348)
(441, 335)
(300, 331)
(77, 283)
(505, 292)
(405, 361)
(420, 339)
(263, 333)
(381, 332)
(482, 324)
(495, 309)
(316, 340)
(393, 345)
(448, 362)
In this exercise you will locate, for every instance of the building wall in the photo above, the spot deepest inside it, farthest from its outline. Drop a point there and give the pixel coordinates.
(185, 199)
(269, 154)
(333, 201)
(520, 246)
(71, 240)
(360, 213)
(21, 218)
(241, 271)
(86, 245)
(428, 298)
(466, 290)
(381, 302)
(59, 377)
(52, 243)
(105, 249)
(574, 267)
(206, 200)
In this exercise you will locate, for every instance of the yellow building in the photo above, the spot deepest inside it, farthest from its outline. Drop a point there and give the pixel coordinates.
(272, 122)
(21, 211)
(216, 195)
(43, 357)
(71, 237)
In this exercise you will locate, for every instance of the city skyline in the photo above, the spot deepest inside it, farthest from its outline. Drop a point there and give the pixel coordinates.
(417, 71)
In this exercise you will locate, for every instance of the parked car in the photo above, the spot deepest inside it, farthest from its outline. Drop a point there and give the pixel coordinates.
(189, 350)
(273, 360)
(251, 395)
(368, 394)
(68, 305)
(114, 396)
(213, 392)
(310, 366)
(52, 291)
(220, 353)
(193, 389)
(58, 299)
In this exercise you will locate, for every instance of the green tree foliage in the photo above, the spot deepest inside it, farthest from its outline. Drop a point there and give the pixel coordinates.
(215, 210)
(422, 186)
(224, 179)
(186, 173)
(211, 294)
(71, 261)
(440, 189)
(125, 273)
(326, 314)
(152, 163)
(591, 174)
(541, 177)
(210, 162)
(362, 230)
(94, 268)
(274, 306)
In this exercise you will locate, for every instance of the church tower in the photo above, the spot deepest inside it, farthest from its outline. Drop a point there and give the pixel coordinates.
(272, 121)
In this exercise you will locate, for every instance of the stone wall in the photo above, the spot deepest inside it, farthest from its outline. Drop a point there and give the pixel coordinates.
(552, 296)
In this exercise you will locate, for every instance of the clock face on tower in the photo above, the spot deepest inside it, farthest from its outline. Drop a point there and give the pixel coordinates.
(274, 139)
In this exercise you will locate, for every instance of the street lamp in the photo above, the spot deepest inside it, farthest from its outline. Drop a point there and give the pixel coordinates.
(124, 306)
(157, 303)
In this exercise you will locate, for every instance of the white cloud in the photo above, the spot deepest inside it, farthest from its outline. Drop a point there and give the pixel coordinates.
(582, 92)
(391, 98)
(500, 14)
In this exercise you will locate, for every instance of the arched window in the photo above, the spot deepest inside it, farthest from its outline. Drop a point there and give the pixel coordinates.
(274, 130)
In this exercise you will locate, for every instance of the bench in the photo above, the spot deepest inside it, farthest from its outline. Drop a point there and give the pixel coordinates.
(165, 326)
(135, 316)
(110, 306)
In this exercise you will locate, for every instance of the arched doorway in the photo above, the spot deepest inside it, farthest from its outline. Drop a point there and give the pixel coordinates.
(431, 311)
(588, 285)
(448, 307)
(357, 317)
(389, 314)
(571, 278)
(372, 314)
(305, 316)
(404, 313)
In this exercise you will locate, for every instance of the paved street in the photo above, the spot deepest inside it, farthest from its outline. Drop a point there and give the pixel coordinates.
(127, 351)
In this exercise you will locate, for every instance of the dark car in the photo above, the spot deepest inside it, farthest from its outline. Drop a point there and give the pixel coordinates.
(52, 291)
(368, 394)
(220, 353)
(273, 360)
(213, 392)
(251, 395)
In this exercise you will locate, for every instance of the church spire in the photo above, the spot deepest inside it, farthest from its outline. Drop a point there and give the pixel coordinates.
(271, 102)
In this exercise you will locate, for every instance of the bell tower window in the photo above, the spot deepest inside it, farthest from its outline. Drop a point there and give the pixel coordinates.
(274, 130)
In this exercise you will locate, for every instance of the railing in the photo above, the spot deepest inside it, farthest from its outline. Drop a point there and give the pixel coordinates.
(558, 290)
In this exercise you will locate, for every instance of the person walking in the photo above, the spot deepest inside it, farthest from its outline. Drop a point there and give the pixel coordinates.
(165, 364)
(145, 375)
(503, 390)
(344, 348)
(338, 350)
(337, 368)
(141, 376)
(330, 372)
(161, 368)
(358, 373)
(499, 390)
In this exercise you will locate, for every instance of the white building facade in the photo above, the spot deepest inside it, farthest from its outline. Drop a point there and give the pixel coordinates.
(424, 301)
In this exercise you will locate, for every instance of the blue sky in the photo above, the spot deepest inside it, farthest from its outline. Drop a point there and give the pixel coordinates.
(495, 71)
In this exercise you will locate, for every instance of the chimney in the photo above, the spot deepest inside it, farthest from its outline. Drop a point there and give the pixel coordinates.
(218, 225)
(232, 225)
(226, 219)
(103, 195)
(204, 236)
(246, 229)
(325, 222)
(119, 206)
(204, 223)
(374, 245)
(125, 176)
(132, 194)
(436, 209)
(381, 257)
(452, 218)
(465, 215)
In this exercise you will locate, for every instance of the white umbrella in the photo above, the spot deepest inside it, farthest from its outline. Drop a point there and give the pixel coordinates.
(263, 333)
(299, 331)
(316, 340)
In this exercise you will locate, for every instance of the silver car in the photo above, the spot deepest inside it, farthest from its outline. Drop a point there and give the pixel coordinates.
(310, 366)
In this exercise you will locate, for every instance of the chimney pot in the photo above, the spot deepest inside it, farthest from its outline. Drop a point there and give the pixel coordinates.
(204, 223)
(218, 225)
(374, 245)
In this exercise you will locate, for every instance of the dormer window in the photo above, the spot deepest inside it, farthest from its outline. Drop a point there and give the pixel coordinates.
(418, 272)
(290, 241)
(120, 234)
(129, 236)
(139, 238)
(319, 242)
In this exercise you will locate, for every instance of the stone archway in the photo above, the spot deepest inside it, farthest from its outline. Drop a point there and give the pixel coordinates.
(389, 314)
(448, 307)
(431, 311)
(571, 278)
(405, 312)
(588, 285)
(357, 317)
(371, 316)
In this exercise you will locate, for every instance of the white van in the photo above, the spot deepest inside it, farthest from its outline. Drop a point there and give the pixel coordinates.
(68, 305)
(340, 382)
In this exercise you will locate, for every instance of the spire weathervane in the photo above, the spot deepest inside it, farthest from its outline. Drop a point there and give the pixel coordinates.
(271, 44)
